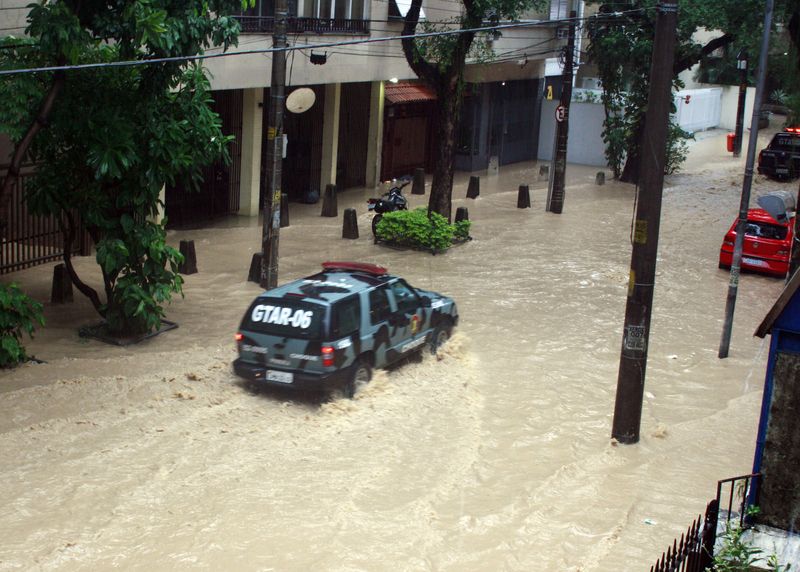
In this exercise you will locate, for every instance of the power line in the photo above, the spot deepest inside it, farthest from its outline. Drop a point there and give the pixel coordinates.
(200, 57)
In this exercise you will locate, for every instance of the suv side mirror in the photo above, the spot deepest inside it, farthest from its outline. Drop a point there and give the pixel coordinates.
(425, 302)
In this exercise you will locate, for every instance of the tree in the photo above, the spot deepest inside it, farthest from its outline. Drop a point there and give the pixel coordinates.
(440, 62)
(106, 140)
(621, 39)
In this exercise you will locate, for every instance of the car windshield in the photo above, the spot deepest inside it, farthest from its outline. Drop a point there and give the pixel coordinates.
(284, 317)
(765, 230)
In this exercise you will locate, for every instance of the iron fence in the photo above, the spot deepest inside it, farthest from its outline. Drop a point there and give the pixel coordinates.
(29, 240)
(265, 25)
(694, 552)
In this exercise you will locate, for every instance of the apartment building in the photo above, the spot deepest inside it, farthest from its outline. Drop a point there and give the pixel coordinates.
(371, 119)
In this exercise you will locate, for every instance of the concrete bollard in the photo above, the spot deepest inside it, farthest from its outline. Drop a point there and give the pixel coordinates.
(544, 171)
(329, 206)
(524, 197)
(350, 225)
(189, 264)
(462, 214)
(474, 188)
(62, 285)
(494, 165)
(600, 178)
(418, 187)
(284, 210)
(255, 269)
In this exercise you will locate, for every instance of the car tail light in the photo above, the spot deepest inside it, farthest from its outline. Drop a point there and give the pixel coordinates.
(327, 356)
(238, 336)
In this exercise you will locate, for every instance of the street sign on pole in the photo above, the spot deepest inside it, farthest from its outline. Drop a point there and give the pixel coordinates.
(561, 113)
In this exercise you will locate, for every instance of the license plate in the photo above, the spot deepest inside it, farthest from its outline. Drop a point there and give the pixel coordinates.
(279, 376)
(753, 261)
(782, 171)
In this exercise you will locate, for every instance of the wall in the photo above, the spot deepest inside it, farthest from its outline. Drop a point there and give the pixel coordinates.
(779, 497)
(379, 61)
(585, 144)
(730, 102)
(698, 109)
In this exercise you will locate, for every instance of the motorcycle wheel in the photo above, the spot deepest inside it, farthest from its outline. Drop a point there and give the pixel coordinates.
(375, 220)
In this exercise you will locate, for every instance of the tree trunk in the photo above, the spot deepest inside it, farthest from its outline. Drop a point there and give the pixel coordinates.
(68, 231)
(21, 148)
(630, 173)
(449, 105)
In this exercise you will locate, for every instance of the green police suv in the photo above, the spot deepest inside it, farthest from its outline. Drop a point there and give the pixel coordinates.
(328, 331)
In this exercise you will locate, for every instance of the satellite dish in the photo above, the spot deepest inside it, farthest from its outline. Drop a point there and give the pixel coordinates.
(300, 100)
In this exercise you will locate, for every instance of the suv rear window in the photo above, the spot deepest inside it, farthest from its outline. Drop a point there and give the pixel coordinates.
(282, 317)
(787, 141)
(346, 317)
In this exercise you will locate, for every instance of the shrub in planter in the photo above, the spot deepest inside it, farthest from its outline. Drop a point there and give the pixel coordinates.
(421, 229)
(18, 314)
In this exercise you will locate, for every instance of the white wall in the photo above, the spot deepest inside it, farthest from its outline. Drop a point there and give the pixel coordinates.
(584, 143)
(730, 103)
(698, 109)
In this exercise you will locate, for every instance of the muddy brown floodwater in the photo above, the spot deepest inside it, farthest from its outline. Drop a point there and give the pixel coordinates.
(495, 456)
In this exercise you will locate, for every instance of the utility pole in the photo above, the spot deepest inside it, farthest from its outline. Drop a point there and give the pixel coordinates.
(635, 336)
(555, 193)
(747, 183)
(272, 197)
(741, 63)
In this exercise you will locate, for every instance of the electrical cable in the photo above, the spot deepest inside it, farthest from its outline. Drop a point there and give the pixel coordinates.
(371, 40)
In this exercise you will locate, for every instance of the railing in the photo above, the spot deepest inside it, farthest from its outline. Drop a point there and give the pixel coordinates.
(30, 240)
(744, 491)
(264, 25)
(694, 552)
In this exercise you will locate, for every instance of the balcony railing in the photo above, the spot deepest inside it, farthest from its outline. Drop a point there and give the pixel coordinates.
(261, 25)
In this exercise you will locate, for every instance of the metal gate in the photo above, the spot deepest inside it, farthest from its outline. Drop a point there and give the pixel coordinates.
(31, 240)
(219, 192)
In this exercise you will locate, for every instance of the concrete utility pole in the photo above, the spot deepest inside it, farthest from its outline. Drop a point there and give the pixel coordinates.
(741, 63)
(633, 359)
(555, 193)
(747, 183)
(272, 197)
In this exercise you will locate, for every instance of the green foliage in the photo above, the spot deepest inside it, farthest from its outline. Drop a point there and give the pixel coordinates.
(461, 229)
(118, 135)
(585, 96)
(737, 553)
(677, 148)
(621, 46)
(421, 229)
(793, 103)
(18, 315)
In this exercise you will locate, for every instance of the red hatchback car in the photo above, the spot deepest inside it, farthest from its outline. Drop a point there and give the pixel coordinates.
(767, 244)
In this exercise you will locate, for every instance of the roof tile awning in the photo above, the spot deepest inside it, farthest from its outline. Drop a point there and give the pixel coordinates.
(408, 93)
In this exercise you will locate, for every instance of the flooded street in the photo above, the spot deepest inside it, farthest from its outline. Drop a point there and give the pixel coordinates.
(495, 456)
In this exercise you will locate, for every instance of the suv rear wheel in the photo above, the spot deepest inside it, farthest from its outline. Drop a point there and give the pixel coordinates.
(360, 374)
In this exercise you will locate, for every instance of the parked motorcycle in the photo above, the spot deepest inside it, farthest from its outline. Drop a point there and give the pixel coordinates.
(389, 202)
